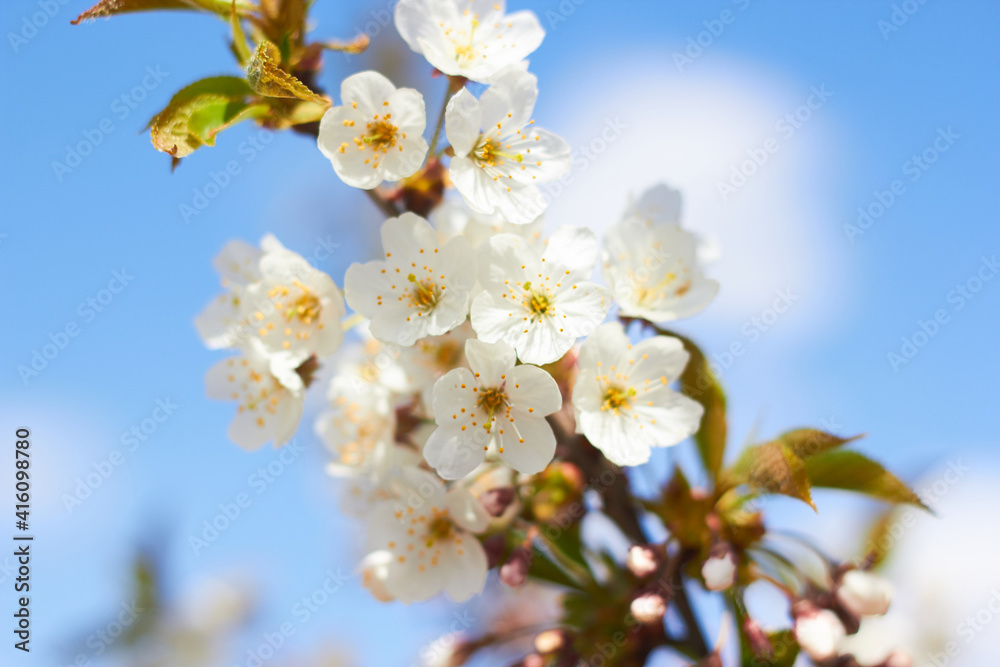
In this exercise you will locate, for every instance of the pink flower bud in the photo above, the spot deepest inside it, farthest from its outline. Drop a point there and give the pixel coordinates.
(515, 571)
(863, 593)
(757, 638)
(649, 608)
(496, 501)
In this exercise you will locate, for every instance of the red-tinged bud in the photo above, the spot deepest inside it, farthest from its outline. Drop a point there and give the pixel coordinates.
(644, 560)
(497, 500)
(515, 571)
(649, 608)
(558, 493)
(494, 547)
(898, 659)
(533, 660)
(424, 190)
(757, 638)
(713, 659)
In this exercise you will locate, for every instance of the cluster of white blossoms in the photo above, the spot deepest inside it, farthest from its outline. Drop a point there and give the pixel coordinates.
(470, 321)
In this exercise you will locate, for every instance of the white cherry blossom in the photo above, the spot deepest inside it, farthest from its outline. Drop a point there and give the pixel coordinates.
(377, 133)
(539, 300)
(653, 271)
(269, 407)
(359, 421)
(495, 404)
(470, 38)
(424, 544)
(819, 632)
(500, 156)
(294, 310)
(622, 395)
(420, 289)
(238, 266)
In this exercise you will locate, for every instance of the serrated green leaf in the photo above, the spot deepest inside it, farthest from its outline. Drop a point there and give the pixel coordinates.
(268, 79)
(774, 468)
(851, 471)
(207, 122)
(196, 113)
(806, 442)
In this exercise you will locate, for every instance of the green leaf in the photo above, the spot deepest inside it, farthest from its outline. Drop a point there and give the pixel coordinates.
(806, 442)
(699, 383)
(775, 468)
(106, 8)
(207, 122)
(268, 79)
(198, 112)
(851, 471)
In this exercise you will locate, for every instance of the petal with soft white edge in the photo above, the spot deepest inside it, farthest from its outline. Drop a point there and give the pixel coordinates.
(572, 249)
(581, 308)
(216, 323)
(453, 393)
(614, 436)
(368, 291)
(368, 89)
(660, 359)
(532, 390)
(237, 262)
(528, 443)
(462, 121)
(518, 35)
(453, 453)
(466, 511)
(506, 261)
(518, 204)
(539, 341)
(588, 394)
(374, 569)
(407, 159)
(336, 142)
(603, 347)
(672, 419)
(288, 414)
(405, 236)
(225, 377)
(698, 296)
(408, 112)
(507, 105)
(542, 157)
(247, 432)
(493, 316)
(489, 361)
(657, 205)
(466, 569)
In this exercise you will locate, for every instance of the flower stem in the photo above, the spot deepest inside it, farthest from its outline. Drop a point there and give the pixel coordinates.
(455, 84)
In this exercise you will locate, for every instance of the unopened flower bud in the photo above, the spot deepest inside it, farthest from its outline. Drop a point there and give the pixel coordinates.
(494, 546)
(818, 631)
(550, 641)
(898, 659)
(863, 593)
(649, 608)
(757, 638)
(719, 571)
(496, 501)
(533, 660)
(645, 559)
(515, 571)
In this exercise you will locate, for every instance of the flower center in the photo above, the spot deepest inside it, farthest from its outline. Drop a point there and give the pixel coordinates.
(616, 398)
(381, 135)
(490, 153)
(490, 400)
(464, 53)
(440, 529)
(425, 295)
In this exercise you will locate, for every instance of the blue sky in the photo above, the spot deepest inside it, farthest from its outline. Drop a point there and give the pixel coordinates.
(67, 233)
